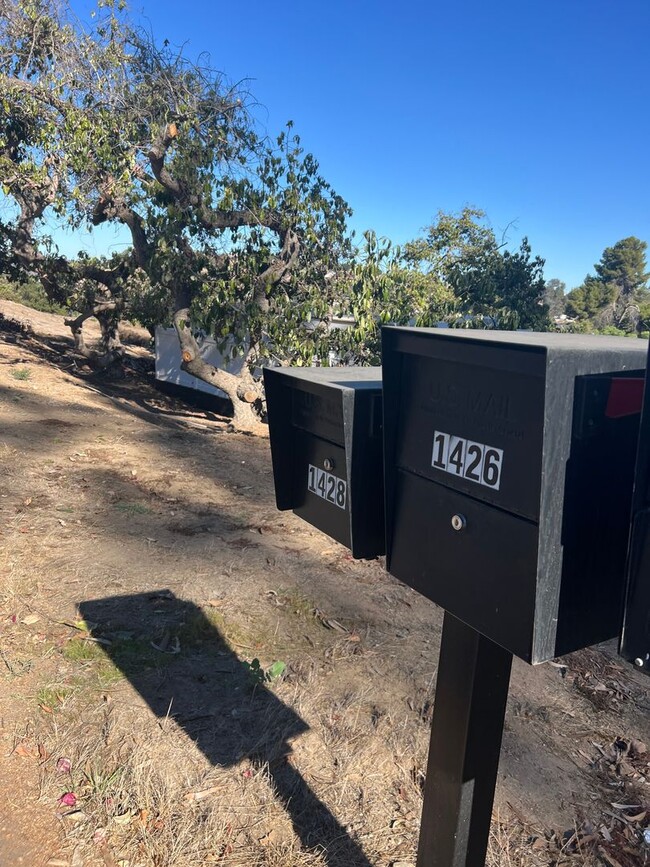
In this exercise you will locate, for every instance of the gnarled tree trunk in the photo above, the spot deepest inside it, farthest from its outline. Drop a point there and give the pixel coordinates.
(111, 350)
(245, 394)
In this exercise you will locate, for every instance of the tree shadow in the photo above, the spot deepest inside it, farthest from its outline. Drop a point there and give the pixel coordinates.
(221, 704)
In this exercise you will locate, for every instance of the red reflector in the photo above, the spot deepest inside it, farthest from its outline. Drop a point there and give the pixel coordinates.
(625, 397)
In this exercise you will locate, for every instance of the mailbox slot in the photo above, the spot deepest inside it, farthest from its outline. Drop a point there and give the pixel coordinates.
(318, 411)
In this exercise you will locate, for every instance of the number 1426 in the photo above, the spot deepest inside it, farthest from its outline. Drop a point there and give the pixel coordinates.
(467, 459)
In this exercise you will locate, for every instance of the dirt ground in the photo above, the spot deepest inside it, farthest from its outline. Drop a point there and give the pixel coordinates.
(191, 677)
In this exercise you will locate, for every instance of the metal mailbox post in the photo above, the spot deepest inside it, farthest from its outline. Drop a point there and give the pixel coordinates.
(635, 638)
(326, 446)
(508, 464)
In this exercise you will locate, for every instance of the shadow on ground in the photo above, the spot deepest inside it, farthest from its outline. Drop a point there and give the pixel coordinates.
(221, 704)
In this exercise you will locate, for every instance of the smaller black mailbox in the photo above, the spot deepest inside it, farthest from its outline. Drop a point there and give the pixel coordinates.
(635, 640)
(326, 446)
(509, 460)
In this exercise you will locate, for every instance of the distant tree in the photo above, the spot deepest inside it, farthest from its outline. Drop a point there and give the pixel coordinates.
(554, 297)
(618, 291)
(380, 287)
(493, 286)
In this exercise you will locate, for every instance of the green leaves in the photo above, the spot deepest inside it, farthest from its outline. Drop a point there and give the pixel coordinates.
(616, 296)
(259, 676)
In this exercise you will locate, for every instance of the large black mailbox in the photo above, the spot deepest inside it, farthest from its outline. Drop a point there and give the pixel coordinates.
(326, 446)
(635, 639)
(509, 460)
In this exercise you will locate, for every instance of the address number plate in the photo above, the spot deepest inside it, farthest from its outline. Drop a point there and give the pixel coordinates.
(467, 459)
(327, 486)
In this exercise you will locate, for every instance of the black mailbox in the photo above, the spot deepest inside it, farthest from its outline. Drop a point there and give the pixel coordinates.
(635, 640)
(509, 460)
(326, 446)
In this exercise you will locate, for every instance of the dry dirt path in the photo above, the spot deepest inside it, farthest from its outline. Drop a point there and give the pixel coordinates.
(144, 569)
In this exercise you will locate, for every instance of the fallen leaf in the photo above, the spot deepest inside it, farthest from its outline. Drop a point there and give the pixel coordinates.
(199, 796)
(76, 816)
(100, 835)
(334, 624)
(30, 618)
(27, 751)
(609, 858)
(124, 818)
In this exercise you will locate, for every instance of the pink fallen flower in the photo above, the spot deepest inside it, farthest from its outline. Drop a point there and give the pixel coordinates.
(100, 835)
(63, 766)
(68, 800)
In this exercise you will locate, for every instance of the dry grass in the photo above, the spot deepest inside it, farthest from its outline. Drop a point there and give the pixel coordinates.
(178, 756)
(147, 794)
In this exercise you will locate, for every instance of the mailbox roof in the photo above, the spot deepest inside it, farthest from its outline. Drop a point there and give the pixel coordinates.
(544, 340)
(337, 377)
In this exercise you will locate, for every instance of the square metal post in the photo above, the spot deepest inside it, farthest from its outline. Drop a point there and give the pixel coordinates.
(468, 715)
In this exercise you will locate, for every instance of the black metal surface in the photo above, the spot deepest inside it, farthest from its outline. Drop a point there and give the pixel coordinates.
(635, 636)
(333, 520)
(470, 703)
(470, 401)
(330, 419)
(539, 565)
(484, 574)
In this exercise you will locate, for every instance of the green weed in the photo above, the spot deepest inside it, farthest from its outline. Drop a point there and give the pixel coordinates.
(81, 650)
(259, 676)
(52, 698)
(22, 373)
(133, 508)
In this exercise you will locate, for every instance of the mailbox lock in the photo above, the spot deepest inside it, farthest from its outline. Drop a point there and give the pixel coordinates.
(328, 463)
(458, 522)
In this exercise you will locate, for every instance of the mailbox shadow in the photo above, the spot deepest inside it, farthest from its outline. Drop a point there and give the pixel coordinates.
(212, 695)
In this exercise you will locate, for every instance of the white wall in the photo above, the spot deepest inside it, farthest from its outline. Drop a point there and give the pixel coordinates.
(168, 361)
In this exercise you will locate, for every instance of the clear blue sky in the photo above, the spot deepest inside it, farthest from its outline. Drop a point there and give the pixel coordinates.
(537, 112)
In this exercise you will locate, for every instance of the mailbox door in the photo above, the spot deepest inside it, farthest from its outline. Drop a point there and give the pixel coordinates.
(475, 427)
(321, 493)
(484, 573)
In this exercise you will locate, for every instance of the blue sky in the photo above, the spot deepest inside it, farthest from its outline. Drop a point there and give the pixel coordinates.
(535, 112)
